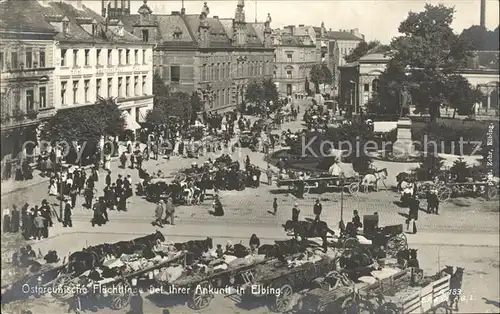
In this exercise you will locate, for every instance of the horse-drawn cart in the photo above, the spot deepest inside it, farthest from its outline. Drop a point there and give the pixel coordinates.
(400, 293)
(321, 184)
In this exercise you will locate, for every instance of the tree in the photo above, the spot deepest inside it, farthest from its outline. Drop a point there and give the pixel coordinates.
(460, 170)
(480, 38)
(269, 91)
(254, 92)
(429, 52)
(430, 166)
(320, 74)
(167, 104)
(363, 48)
(86, 123)
(462, 95)
(160, 89)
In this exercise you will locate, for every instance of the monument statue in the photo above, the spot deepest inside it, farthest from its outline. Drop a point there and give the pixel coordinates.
(405, 102)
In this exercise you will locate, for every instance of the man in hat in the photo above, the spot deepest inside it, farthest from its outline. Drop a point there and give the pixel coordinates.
(295, 212)
(269, 173)
(67, 214)
(108, 178)
(47, 215)
(169, 211)
(356, 221)
(317, 208)
(99, 209)
(39, 223)
(159, 214)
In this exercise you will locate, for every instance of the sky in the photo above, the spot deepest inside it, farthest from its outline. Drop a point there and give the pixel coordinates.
(376, 19)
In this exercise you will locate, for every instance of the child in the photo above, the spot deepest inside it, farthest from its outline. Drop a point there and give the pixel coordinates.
(219, 251)
(275, 206)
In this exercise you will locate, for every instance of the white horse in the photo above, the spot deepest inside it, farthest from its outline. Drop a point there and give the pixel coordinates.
(372, 179)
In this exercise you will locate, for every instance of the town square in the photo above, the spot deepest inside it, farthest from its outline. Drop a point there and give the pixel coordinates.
(163, 161)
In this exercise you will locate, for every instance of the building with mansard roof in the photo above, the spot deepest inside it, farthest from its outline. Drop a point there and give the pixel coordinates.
(59, 55)
(214, 56)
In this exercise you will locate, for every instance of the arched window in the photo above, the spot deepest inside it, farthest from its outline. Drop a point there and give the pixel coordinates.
(375, 83)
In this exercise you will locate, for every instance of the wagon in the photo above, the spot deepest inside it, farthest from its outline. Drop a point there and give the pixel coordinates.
(201, 286)
(321, 184)
(401, 293)
(486, 189)
(391, 238)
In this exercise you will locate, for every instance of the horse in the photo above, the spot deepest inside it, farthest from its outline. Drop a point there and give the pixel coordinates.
(138, 245)
(81, 261)
(309, 229)
(372, 179)
(195, 248)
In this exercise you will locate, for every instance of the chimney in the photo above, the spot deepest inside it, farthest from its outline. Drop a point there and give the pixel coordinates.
(176, 13)
(79, 4)
(301, 25)
(216, 17)
(183, 11)
(482, 17)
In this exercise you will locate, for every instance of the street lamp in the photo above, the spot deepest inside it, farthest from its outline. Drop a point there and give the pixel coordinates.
(341, 222)
(353, 95)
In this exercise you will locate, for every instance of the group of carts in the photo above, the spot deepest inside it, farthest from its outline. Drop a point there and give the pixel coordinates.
(317, 276)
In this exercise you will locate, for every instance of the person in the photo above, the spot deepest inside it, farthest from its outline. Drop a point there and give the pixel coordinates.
(6, 221)
(247, 163)
(53, 187)
(73, 193)
(219, 251)
(14, 220)
(67, 214)
(169, 211)
(317, 208)
(269, 173)
(89, 195)
(295, 213)
(356, 221)
(275, 206)
(254, 243)
(123, 160)
(217, 206)
(414, 207)
(108, 178)
(97, 219)
(47, 215)
(39, 223)
(159, 214)
(132, 161)
(136, 303)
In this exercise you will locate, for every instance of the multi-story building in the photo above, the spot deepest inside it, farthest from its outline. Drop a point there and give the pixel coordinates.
(295, 55)
(333, 46)
(215, 56)
(67, 55)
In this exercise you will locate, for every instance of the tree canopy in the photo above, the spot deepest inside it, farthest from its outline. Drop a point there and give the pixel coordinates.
(480, 38)
(425, 59)
(320, 74)
(363, 48)
(86, 123)
(262, 92)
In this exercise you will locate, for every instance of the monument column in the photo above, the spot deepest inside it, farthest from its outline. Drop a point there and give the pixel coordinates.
(403, 147)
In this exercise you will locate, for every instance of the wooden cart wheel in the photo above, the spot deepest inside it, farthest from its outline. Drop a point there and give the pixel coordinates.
(444, 193)
(121, 298)
(201, 296)
(351, 306)
(180, 177)
(284, 299)
(353, 188)
(492, 193)
(351, 243)
(63, 287)
(395, 244)
(423, 189)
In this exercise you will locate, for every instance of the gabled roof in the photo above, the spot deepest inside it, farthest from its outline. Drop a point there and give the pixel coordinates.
(342, 36)
(24, 16)
(484, 60)
(375, 57)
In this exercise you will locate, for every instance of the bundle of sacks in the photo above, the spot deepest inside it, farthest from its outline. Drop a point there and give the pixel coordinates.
(307, 257)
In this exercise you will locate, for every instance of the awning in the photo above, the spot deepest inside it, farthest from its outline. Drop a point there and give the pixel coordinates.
(130, 123)
(384, 126)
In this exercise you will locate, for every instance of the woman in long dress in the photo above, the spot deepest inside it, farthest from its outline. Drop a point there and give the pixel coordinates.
(107, 163)
(217, 205)
(53, 187)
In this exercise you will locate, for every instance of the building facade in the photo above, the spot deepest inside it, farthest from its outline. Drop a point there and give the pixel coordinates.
(60, 55)
(216, 57)
(295, 55)
(358, 80)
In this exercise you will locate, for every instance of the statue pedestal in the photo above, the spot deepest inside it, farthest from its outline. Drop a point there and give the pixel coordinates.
(403, 147)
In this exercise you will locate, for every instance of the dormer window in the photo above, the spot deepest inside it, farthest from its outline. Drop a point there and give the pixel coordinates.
(65, 27)
(177, 32)
(94, 29)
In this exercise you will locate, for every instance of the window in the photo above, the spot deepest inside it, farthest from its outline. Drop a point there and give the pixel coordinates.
(136, 85)
(144, 80)
(127, 86)
(110, 87)
(145, 35)
(30, 103)
(120, 84)
(136, 56)
(110, 57)
(98, 57)
(204, 72)
(87, 57)
(42, 97)
(375, 85)
(94, 29)
(127, 56)
(217, 77)
(289, 74)
(63, 92)
(144, 57)
(63, 57)
(86, 86)
(75, 57)
(119, 56)
(29, 59)
(65, 27)
(175, 73)
(98, 83)
(289, 57)
(366, 87)
(1, 60)
(41, 58)
(75, 92)
(13, 60)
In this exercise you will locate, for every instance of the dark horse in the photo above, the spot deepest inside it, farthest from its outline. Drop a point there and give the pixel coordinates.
(138, 245)
(280, 249)
(308, 229)
(195, 248)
